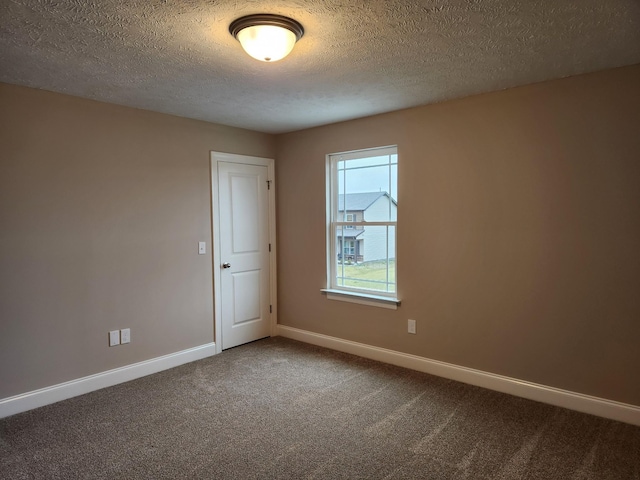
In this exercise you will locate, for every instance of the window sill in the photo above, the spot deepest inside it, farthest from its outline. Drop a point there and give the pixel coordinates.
(362, 298)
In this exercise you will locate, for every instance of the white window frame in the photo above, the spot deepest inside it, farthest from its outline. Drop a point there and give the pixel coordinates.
(333, 290)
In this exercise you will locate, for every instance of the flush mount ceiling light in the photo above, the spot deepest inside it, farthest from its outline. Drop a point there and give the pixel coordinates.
(266, 37)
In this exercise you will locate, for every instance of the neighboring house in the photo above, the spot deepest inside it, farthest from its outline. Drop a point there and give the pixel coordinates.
(360, 243)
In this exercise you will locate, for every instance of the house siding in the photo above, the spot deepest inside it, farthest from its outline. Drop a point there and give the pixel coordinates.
(375, 238)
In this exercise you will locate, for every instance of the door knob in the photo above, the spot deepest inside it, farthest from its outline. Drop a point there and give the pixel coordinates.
(226, 265)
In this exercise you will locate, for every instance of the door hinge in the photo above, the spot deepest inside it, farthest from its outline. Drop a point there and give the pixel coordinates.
(270, 309)
(269, 247)
(268, 184)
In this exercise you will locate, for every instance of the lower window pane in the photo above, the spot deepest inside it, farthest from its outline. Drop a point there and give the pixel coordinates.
(366, 258)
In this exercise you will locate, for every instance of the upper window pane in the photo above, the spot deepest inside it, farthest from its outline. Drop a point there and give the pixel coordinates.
(361, 184)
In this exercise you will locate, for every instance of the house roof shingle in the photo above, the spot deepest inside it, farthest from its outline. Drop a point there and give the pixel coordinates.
(359, 201)
(349, 232)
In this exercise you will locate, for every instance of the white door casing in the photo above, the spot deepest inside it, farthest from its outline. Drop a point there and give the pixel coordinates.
(244, 232)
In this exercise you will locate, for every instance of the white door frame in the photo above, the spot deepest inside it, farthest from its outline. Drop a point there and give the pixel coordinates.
(217, 262)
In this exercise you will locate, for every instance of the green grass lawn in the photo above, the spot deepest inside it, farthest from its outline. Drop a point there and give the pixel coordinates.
(366, 275)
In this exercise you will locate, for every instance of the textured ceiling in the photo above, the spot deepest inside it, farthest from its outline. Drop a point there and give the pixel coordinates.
(356, 58)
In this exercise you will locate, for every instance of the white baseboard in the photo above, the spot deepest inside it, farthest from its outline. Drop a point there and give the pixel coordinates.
(80, 386)
(601, 407)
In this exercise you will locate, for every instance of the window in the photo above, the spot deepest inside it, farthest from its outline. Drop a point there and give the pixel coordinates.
(362, 211)
(349, 247)
(349, 218)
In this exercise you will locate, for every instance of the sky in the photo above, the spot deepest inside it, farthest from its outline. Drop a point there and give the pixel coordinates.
(375, 178)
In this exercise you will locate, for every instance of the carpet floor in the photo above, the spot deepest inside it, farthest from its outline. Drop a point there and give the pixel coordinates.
(278, 408)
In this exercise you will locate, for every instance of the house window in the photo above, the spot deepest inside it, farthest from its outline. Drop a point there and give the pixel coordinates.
(350, 217)
(349, 247)
(362, 211)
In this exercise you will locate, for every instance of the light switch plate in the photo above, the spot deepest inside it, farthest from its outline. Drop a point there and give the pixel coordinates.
(114, 338)
(125, 335)
(202, 248)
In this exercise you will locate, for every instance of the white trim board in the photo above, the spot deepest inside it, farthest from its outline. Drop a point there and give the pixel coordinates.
(601, 407)
(80, 386)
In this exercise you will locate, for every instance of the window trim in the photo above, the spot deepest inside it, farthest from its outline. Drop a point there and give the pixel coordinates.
(391, 303)
(334, 292)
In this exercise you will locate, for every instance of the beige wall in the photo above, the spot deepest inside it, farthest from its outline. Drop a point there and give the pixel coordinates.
(518, 238)
(101, 209)
(519, 233)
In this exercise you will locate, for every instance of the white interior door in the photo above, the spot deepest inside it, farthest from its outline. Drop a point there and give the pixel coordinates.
(244, 257)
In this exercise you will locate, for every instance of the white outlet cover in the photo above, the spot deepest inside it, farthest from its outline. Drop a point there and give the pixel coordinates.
(125, 335)
(411, 326)
(202, 248)
(114, 338)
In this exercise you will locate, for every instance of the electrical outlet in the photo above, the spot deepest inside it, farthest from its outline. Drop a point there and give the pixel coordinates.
(114, 338)
(411, 326)
(202, 248)
(125, 335)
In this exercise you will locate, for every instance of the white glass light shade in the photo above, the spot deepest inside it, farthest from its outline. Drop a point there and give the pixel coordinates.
(267, 43)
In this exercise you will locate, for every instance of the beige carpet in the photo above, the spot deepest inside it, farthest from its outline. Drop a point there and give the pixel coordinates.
(283, 409)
